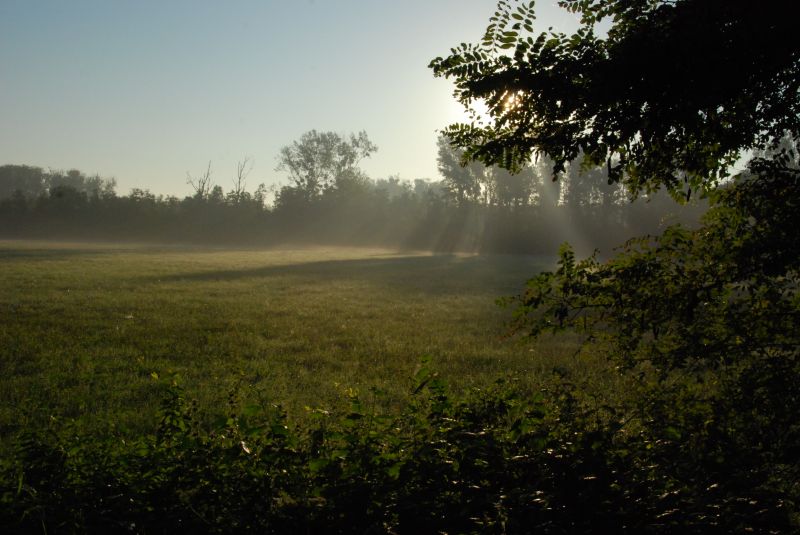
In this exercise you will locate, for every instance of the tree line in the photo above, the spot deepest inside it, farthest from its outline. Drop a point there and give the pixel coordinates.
(329, 199)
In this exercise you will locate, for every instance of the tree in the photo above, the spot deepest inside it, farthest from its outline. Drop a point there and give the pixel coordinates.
(29, 181)
(202, 184)
(321, 161)
(512, 190)
(671, 96)
(586, 187)
(239, 192)
(706, 318)
(93, 186)
(462, 179)
(547, 94)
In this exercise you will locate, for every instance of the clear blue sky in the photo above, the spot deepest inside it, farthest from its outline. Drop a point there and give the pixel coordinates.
(145, 91)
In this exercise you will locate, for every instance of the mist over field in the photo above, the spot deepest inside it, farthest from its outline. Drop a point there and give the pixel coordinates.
(327, 199)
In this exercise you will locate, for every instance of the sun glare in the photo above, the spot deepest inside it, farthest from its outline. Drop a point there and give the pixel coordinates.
(458, 114)
(512, 100)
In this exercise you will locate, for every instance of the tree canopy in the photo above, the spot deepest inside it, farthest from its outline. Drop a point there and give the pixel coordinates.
(670, 96)
(320, 161)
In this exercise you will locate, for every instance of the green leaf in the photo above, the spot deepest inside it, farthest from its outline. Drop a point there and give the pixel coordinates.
(318, 464)
(393, 471)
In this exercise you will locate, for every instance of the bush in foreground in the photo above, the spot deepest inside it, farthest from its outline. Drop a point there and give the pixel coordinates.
(493, 462)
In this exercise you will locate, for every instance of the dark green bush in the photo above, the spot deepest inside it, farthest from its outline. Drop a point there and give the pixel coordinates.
(493, 462)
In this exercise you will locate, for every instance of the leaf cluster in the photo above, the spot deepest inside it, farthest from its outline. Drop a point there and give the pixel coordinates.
(670, 96)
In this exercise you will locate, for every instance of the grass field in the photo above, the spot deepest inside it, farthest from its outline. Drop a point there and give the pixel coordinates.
(85, 329)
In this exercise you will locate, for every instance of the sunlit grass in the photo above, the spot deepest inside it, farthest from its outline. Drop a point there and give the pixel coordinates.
(85, 329)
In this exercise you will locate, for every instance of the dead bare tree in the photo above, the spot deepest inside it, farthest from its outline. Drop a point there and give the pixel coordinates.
(201, 185)
(243, 169)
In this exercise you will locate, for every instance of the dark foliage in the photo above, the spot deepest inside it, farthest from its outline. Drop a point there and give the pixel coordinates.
(670, 97)
(705, 319)
(496, 462)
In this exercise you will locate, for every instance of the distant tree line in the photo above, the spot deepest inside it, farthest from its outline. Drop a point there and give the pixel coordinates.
(330, 200)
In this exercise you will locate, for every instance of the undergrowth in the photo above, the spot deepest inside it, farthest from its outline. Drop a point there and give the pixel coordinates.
(491, 461)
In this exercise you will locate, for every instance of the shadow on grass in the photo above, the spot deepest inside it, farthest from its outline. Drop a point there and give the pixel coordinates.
(24, 250)
(433, 274)
(45, 254)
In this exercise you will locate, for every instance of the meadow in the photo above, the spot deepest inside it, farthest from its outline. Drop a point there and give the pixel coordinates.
(95, 333)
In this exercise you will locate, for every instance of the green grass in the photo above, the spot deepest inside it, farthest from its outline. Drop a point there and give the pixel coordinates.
(85, 328)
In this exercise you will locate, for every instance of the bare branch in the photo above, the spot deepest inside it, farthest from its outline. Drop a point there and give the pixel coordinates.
(243, 168)
(202, 184)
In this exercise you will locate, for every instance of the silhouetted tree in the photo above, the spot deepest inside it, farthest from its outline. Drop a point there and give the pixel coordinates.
(92, 186)
(321, 161)
(462, 179)
(512, 190)
(239, 192)
(642, 101)
(26, 180)
(201, 184)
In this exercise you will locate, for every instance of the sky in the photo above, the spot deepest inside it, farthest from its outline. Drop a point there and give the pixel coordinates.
(148, 91)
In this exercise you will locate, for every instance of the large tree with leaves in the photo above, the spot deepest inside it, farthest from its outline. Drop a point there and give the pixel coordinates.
(322, 161)
(672, 95)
